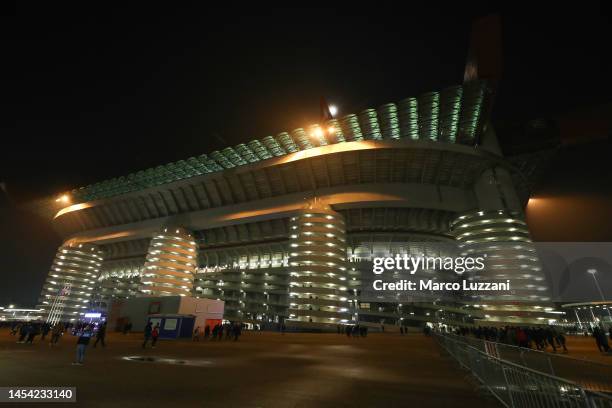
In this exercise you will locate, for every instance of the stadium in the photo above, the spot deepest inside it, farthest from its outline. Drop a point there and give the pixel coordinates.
(284, 228)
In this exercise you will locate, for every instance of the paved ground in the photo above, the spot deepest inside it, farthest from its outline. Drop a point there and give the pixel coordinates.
(585, 348)
(261, 370)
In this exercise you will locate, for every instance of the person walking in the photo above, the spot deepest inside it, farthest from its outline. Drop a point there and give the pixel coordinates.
(56, 333)
(148, 330)
(101, 335)
(82, 342)
(24, 330)
(196, 334)
(521, 338)
(602, 339)
(220, 333)
(46, 328)
(550, 335)
(15, 326)
(206, 332)
(561, 339)
(237, 331)
(34, 331)
(155, 335)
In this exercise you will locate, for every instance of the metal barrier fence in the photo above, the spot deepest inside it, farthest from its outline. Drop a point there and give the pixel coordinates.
(516, 386)
(591, 375)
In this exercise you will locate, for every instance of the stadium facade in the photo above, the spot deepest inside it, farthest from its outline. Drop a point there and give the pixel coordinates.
(284, 228)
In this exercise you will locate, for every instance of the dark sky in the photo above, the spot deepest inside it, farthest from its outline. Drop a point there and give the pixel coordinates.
(93, 93)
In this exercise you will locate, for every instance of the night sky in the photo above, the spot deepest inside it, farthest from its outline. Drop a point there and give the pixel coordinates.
(93, 93)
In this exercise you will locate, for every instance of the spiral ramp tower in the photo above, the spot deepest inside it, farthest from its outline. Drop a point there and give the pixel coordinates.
(318, 292)
(67, 292)
(171, 264)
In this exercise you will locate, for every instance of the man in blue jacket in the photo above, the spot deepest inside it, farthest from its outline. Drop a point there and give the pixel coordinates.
(82, 342)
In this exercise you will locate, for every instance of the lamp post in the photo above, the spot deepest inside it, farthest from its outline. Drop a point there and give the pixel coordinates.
(593, 272)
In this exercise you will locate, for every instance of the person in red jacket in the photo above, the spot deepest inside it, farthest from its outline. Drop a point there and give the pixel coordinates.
(521, 338)
(155, 335)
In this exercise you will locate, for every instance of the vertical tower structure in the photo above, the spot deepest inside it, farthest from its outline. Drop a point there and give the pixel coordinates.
(171, 264)
(318, 292)
(510, 255)
(498, 229)
(67, 291)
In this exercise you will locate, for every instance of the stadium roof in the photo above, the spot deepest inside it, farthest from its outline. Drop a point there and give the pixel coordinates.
(451, 115)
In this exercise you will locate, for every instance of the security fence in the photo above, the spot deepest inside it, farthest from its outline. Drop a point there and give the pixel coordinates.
(590, 375)
(517, 386)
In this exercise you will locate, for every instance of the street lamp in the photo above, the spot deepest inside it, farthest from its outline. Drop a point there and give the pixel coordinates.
(593, 272)
(64, 199)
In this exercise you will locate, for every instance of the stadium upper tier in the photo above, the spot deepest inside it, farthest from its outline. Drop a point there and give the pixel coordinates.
(451, 115)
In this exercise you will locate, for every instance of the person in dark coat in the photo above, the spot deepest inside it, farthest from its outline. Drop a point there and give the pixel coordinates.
(101, 335)
(220, 333)
(237, 331)
(601, 339)
(46, 328)
(34, 331)
(147, 334)
(24, 330)
(56, 333)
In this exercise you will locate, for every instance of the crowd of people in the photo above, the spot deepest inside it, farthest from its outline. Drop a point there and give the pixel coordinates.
(355, 330)
(27, 332)
(218, 332)
(539, 338)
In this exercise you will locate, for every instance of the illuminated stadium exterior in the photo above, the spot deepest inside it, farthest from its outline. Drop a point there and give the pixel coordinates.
(284, 228)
